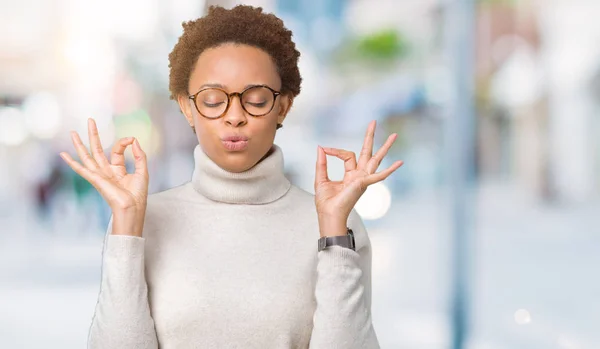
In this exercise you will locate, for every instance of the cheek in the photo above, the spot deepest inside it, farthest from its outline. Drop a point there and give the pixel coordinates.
(204, 128)
(268, 125)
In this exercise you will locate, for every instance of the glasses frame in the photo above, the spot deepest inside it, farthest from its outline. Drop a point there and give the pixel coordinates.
(230, 96)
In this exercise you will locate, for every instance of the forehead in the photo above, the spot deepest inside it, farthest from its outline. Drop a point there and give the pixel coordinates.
(234, 66)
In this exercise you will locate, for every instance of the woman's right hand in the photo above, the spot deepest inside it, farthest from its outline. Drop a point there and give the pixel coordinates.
(125, 193)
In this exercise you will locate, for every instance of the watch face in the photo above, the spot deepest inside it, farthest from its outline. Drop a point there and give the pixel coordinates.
(351, 233)
(322, 243)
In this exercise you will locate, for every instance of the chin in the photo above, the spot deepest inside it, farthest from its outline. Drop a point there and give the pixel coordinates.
(238, 162)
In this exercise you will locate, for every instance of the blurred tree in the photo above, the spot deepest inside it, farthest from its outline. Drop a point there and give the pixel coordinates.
(378, 49)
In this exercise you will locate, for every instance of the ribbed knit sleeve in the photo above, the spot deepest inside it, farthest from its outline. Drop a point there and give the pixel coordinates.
(122, 317)
(342, 318)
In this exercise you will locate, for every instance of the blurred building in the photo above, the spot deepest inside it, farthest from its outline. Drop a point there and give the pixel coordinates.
(537, 166)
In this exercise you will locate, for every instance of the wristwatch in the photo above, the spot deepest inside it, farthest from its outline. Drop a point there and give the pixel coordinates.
(343, 240)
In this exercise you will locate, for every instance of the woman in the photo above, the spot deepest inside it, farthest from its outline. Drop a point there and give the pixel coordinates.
(230, 259)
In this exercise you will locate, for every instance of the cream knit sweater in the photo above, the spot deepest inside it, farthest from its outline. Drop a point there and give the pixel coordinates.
(229, 260)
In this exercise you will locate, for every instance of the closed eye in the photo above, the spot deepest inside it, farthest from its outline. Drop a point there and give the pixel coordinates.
(213, 105)
(258, 105)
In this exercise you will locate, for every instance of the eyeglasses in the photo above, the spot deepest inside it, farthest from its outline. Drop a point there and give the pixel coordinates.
(213, 102)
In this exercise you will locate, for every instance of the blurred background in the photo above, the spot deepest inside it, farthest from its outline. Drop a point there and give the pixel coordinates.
(486, 238)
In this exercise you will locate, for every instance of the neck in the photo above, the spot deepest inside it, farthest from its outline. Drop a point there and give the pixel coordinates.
(263, 183)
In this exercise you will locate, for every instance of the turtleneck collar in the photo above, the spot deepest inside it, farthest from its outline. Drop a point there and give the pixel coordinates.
(261, 184)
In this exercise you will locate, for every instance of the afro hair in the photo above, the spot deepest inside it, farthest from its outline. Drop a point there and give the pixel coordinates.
(242, 24)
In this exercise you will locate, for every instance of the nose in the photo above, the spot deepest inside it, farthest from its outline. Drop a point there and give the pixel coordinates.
(235, 115)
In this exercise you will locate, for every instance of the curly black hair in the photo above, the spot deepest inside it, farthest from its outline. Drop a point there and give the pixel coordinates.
(242, 24)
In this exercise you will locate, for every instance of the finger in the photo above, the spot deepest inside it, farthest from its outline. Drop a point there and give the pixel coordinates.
(348, 156)
(141, 167)
(375, 161)
(96, 180)
(117, 154)
(77, 167)
(321, 167)
(367, 149)
(83, 153)
(96, 145)
(378, 177)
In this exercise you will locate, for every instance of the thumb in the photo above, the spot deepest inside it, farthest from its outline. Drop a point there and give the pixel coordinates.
(321, 167)
(139, 155)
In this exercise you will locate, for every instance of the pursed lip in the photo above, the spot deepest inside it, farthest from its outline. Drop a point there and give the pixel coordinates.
(234, 138)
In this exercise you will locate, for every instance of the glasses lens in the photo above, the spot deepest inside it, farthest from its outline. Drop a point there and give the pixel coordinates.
(258, 100)
(211, 102)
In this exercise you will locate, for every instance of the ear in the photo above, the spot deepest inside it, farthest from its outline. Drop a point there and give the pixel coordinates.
(185, 104)
(285, 104)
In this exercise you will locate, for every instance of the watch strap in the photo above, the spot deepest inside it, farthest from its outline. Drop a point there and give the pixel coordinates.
(343, 240)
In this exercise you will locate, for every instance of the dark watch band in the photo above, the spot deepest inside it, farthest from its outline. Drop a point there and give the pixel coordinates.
(344, 241)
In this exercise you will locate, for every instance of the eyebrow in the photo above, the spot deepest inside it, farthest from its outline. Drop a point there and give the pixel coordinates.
(224, 87)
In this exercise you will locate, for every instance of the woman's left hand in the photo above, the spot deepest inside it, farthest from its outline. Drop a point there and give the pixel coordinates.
(336, 199)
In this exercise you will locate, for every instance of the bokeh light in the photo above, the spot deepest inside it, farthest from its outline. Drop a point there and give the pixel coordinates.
(375, 202)
(13, 130)
(42, 115)
(522, 317)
